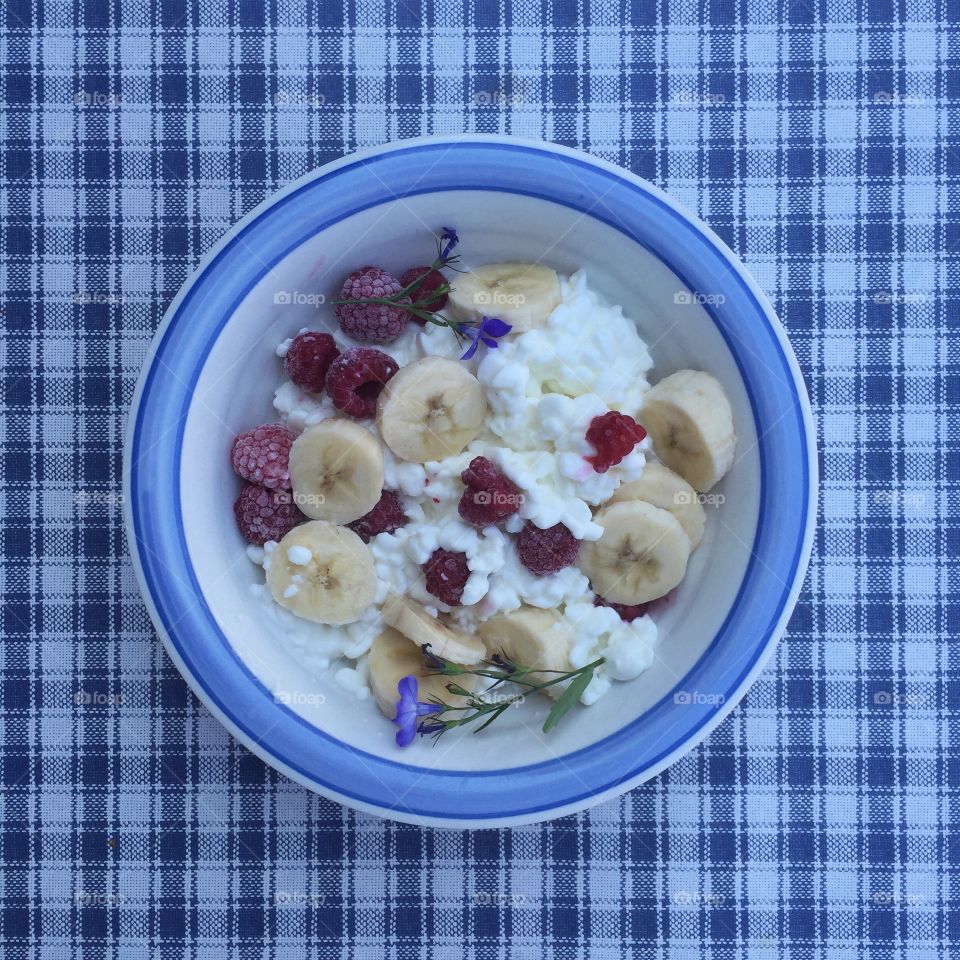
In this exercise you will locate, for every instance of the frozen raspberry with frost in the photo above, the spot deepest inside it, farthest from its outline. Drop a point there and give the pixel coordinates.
(490, 496)
(613, 436)
(422, 292)
(264, 514)
(446, 574)
(385, 517)
(546, 551)
(262, 456)
(628, 612)
(308, 359)
(373, 322)
(357, 377)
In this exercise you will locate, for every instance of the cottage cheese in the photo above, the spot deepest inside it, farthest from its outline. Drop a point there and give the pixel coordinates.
(543, 387)
(587, 347)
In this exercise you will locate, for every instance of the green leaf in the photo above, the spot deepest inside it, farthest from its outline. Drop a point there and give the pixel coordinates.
(493, 716)
(567, 699)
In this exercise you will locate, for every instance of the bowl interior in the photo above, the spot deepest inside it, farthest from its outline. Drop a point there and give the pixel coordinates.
(235, 389)
(212, 373)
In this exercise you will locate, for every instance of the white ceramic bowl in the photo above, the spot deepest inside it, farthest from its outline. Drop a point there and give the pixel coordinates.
(211, 374)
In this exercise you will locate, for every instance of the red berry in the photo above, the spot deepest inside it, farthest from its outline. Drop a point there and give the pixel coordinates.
(264, 514)
(490, 496)
(385, 517)
(262, 456)
(628, 611)
(613, 435)
(546, 551)
(447, 573)
(357, 377)
(422, 292)
(308, 360)
(374, 322)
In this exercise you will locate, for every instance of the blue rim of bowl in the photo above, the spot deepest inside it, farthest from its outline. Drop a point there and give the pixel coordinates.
(197, 318)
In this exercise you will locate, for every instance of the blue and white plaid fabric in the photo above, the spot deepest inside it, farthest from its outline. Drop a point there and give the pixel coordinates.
(820, 139)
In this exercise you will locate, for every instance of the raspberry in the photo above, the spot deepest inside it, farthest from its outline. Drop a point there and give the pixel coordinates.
(264, 514)
(613, 435)
(357, 377)
(490, 496)
(628, 611)
(447, 572)
(262, 456)
(308, 359)
(546, 551)
(385, 517)
(422, 292)
(375, 322)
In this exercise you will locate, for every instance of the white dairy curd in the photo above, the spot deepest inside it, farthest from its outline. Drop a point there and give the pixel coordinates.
(318, 646)
(514, 585)
(299, 409)
(629, 648)
(399, 556)
(587, 347)
(544, 388)
(300, 556)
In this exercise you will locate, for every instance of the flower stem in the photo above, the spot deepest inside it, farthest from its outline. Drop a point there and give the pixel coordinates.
(476, 708)
(418, 308)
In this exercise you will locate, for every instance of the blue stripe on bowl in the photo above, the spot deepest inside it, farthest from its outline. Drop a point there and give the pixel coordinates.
(219, 676)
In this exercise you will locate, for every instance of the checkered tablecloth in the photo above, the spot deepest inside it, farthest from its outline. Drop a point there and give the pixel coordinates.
(819, 138)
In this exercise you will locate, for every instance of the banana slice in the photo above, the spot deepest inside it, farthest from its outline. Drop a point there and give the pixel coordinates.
(521, 294)
(665, 489)
(336, 469)
(641, 555)
(323, 573)
(393, 657)
(413, 621)
(431, 409)
(689, 418)
(533, 637)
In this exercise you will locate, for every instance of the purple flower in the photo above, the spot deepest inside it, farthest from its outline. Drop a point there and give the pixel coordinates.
(449, 239)
(409, 710)
(484, 332)
(433, 661)
(428, 727)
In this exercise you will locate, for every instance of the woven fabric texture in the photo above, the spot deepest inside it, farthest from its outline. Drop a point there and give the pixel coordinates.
(820, 139)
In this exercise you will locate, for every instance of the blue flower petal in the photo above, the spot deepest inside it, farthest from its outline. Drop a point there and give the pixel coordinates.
(409, 710)
(484, 332)
(406, 716)
(407, 688)
(405, 735)
(495, 327)
(449, 238)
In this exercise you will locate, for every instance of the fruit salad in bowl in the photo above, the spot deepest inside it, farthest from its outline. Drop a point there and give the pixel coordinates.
(470, 530)
(471, 493)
